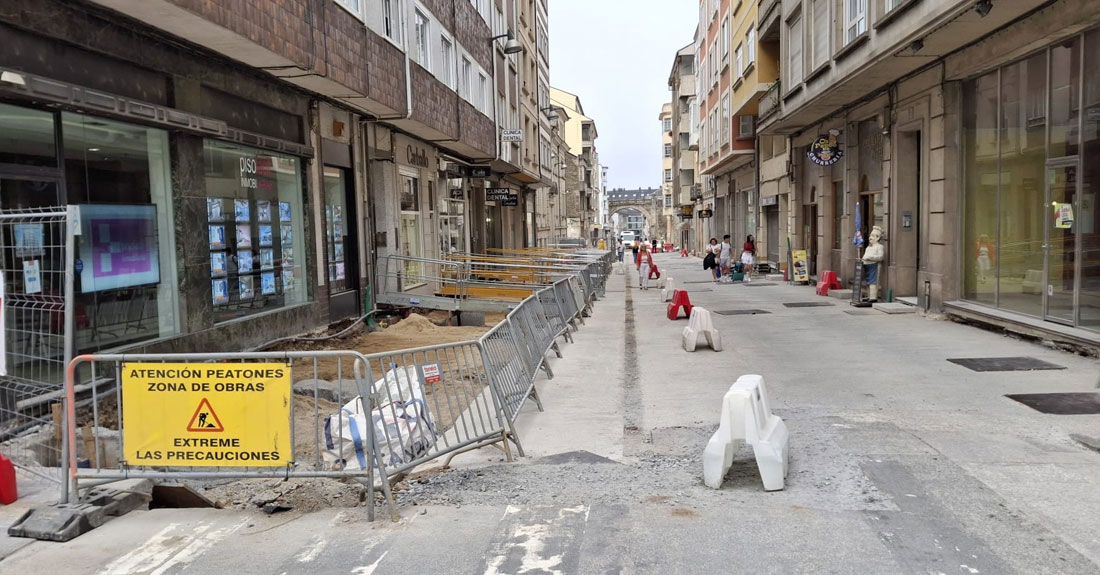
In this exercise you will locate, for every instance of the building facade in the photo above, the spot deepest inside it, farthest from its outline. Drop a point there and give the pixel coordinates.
(669, 176)
(581, 196)
(684, 128)
(965, 131)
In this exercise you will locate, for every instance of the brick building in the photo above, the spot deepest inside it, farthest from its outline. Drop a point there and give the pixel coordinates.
(280, 149)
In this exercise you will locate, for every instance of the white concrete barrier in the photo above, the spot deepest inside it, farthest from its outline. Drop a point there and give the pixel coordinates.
(747, 417)
(666, 292)
(661, 282)
(700, 324)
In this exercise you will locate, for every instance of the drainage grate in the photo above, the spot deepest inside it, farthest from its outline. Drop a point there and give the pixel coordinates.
(700, 282)
(1004, 363)
(862, 312)
(1086, 403)
(809, 304)
(741, 312)
(760, 284)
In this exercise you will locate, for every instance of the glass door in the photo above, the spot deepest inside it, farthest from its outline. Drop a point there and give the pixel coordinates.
(1061, 241)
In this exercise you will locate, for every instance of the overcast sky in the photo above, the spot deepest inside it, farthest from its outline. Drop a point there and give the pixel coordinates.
(617, 55)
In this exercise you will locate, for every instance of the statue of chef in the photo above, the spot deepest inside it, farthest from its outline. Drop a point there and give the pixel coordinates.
(876, 252)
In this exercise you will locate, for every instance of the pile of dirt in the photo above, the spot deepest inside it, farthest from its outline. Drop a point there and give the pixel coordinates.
(299, 495)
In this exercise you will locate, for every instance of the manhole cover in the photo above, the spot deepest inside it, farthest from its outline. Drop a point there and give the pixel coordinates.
(1003, 363)
(862, 312)
(809, 304)
(1061, 403)
(741, 312)
(759, 284)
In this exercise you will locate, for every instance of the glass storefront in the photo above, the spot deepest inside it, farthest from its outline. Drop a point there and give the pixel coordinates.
(410, 237)
(255, 229)
(118, 174)
(1030, 162)
(452, 219)
(336, 231)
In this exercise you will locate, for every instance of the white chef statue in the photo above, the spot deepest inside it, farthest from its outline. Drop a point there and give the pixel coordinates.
(875, 253)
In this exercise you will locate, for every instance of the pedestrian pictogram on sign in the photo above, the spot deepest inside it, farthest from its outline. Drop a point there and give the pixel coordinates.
(205, 419)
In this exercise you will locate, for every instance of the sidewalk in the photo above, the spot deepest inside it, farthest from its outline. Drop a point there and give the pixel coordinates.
(901, 462)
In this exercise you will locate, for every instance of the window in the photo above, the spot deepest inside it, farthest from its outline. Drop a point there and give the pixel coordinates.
(726, 38)
(726, 119)
(482, 96)
(739, 57)
(668, 201)
(423, 42)
(702, 141)
(745, 126)
(750, 47)
(447, 62)
(891, 4)
(467, 79)
(668, 176)
(855, 19)
(714, 133)
(391, 19)
(716, 69)
(351, 5)
(668, 124)
(256, 229)
(820, 34)
(668, 150)
(794, 51)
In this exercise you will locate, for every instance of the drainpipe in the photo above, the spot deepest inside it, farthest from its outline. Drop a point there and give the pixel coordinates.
(408, 65)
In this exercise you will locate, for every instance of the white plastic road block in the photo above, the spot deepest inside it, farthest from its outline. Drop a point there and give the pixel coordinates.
(666, 292)
(700, 324)
(661, 282)
(747, 417)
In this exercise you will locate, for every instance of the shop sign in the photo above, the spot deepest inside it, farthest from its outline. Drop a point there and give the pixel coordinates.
(416, 156)
(688, 210)
(801, 267)
(687, 216)
(511, 135)
(502, 195)
(825, 150)
(479, 171)
(457, 194)
(453, 170)
(769, 201)
(202, 414)
(704, 214)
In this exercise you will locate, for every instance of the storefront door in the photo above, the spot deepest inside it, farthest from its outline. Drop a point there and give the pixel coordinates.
(1060, 241)
(411, 245)
(341, 254)
(452, 226)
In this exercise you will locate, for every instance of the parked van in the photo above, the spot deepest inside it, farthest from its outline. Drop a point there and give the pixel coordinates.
(628, 239)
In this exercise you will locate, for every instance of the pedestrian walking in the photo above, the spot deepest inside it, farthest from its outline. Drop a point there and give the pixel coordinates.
(644, 262)
(710, 261)
(725, 251)
(620, 251)
(748, 256)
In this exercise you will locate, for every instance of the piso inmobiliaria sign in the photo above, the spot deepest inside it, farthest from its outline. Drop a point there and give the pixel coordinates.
(204, 414)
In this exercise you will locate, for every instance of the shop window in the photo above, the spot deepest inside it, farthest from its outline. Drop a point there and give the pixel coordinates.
(125, 284)
(27, 137)
(255, 230)
(337, 248)
(410, 235)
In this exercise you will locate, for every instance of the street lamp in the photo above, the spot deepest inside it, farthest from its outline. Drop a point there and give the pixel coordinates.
(552, 115)
(512, 46)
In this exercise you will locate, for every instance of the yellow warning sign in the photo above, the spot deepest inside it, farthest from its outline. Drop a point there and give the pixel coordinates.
(206, 414)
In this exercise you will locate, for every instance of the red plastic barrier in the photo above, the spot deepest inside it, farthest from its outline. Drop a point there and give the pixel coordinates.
(8, 492)
(680, 300)
(826, 282)
(683, 252)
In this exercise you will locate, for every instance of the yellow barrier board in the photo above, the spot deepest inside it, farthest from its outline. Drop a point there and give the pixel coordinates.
(206, 414)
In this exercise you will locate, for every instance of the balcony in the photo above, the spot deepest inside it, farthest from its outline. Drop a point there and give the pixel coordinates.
(769, 103)
(687, 86)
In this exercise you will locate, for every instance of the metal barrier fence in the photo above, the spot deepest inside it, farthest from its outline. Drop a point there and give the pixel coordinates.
(103, 454)
(350, 415)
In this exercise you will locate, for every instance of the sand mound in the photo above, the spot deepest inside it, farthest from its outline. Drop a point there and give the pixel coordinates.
(413, 324)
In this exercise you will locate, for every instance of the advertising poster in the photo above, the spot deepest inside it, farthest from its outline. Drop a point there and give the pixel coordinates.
(245, 288)
(288, 257)
(288, 280)
(28, 240)
(220, 291)
(240, 210)
(214, 210)
(267, 283)
(267, 259)
(244, 261)
(286, 235)
(217, 237)
(338, 252)
(266, 236)
(118, 247)
(340, 271)
(244, 236)
(801, 266)
(284, 211)
(32, 278)
(217, 264)
(263, 211)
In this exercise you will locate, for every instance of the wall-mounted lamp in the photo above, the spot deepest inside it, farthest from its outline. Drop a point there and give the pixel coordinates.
(511, 46)
(552, 114)
(983, 7)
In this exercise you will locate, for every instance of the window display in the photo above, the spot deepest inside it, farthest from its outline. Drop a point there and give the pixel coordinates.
(261, 273)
